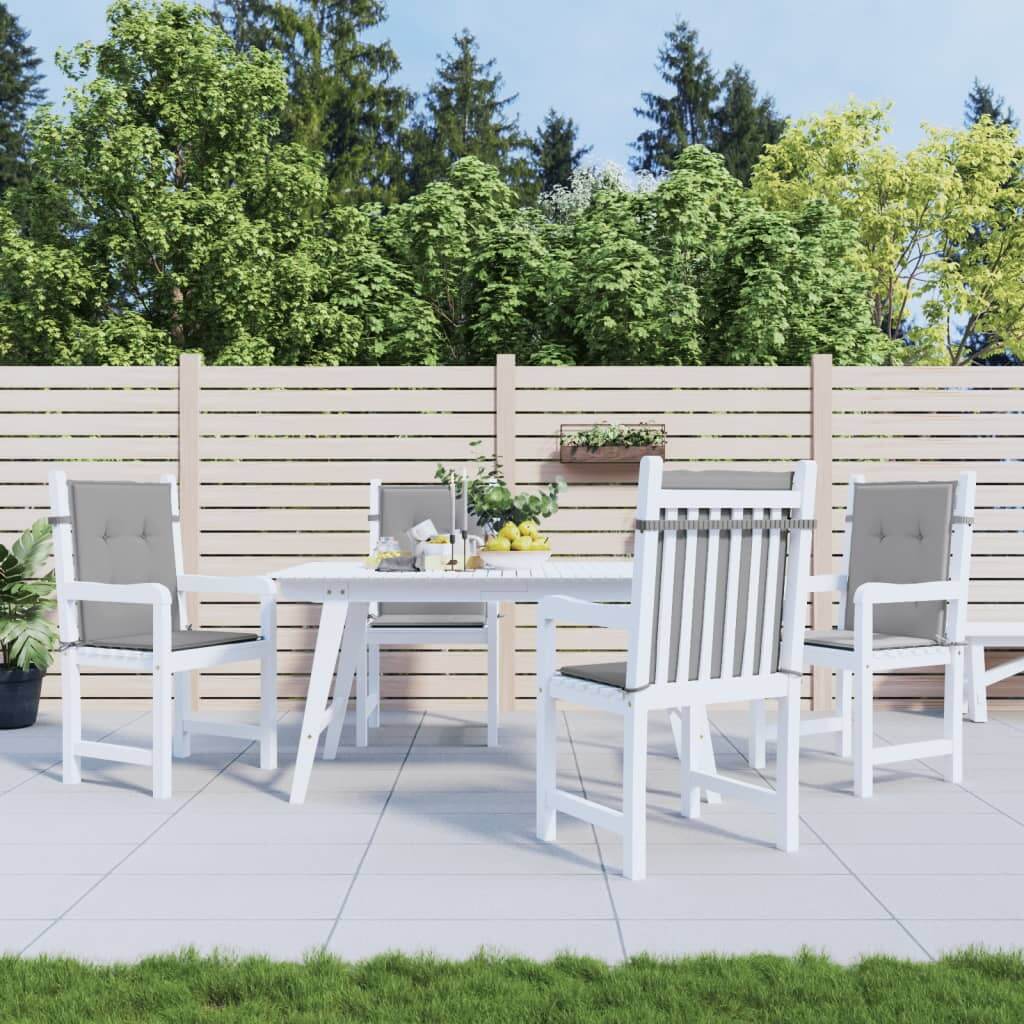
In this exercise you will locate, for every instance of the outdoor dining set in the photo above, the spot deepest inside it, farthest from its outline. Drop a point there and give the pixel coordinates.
(713, 604)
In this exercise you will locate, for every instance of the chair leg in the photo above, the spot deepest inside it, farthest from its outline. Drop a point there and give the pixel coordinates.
(71, 717)
(757, 745)
(268, 711)
(547, 765)
(362, 701)
(373, 682)
(863, 732)
(844, 741)
(634, 797)
(163, 733)
(977, 694)
(787, 782)
(182, 702)
(685, 735)
(493, 675)
(952, 714)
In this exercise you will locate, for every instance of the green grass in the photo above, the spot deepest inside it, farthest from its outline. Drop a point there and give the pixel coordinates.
(969, 987)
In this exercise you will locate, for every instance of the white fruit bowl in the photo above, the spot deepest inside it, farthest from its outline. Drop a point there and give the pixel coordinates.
(513, 559)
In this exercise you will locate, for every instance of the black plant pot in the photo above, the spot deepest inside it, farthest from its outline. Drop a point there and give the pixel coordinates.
(19, 697)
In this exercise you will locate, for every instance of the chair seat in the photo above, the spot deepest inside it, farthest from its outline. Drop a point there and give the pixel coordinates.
(181, 640)
(612, 673)
(395, 620)
(842, 640)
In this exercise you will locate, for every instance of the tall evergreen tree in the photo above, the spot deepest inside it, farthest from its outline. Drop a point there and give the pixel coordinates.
(981, 101)
(725, 114)
(20, 91)
(743, 123)
(466, 115)
(344, 103)
(554, 153)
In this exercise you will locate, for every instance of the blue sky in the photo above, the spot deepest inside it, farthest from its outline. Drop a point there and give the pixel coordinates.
(592, 58)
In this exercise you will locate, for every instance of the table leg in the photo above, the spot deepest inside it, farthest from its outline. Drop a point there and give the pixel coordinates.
(353, 647)
(314, 718)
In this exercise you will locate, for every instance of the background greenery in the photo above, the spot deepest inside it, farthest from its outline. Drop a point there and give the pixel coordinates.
(250, 182)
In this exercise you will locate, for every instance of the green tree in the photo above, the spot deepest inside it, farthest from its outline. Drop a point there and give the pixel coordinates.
(938, 230)
(163, 214)
(20, 91)
(465, 115)
(744, 123)
(554, 151)
(982, 101)
(344, 104)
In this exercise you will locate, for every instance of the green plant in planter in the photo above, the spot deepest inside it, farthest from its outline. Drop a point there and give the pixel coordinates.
(27, 636)
(608, 435)
(490, 499)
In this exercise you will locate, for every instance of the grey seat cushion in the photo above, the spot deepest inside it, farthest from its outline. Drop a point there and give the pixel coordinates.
(181, 640)
(613, 673)
(428, 620)
(842, 639)
(122, 533)
(402, 506)
(901, 534)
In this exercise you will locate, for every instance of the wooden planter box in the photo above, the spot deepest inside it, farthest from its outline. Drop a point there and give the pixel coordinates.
(616, 453)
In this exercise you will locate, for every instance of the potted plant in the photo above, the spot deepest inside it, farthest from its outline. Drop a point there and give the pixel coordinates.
(610, 442)
(27, 636)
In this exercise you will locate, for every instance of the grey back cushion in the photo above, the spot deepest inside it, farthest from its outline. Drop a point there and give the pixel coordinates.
(901, 534)
(122, 533)
(402, 506)
(766, 604)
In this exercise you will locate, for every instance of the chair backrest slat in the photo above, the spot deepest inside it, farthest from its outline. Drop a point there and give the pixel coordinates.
(708, 592)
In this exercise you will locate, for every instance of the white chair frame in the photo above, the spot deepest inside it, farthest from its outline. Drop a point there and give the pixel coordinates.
(685, 700)
(377, 637)
(853, 721)
(174, 722)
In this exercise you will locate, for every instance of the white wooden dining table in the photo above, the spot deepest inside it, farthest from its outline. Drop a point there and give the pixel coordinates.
(345, 590)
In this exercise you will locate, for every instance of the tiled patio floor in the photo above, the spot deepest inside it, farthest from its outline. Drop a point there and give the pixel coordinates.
(425, 841)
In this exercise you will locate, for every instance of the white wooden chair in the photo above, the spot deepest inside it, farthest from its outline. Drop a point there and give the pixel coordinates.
(394, 508)
(121, 606)
(720, 578)
(903, 593)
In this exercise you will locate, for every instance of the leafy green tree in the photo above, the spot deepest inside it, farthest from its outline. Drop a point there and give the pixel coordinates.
(744, 123)
(555, 153)
(344, 104)
(466, 115)
(20, 91)
(934, 279)
(982, 101)
(163, 215)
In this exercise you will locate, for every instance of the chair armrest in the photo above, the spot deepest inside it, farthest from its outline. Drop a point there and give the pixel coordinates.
(575, 612)
(117, 593)
(825, 582)
(258, 586)
(904, 593)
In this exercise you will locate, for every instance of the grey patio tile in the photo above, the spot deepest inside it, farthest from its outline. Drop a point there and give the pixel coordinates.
(458, 940)
(244, 859)
(993, 773)
(41, 827)
(897, 796)
(61, 858)
(413, 829)
(1010, 804)
(304, 826)
(213, 897)
(933, 859)
(327, 777)
(715, 826)
(844, 941)
(448, 801)
(25, 896)
(51, 797)
(482, 897)
(963, 895)
(483, 859)
(127, 941)
(186, 776)
(737, 858)
(744, 897)
(836, 827)
(941, 937)
(16, 935)
(355, 801)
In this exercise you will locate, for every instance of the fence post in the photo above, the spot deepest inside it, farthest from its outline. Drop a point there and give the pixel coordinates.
(189, 366)
(821, 452)
(505, 452)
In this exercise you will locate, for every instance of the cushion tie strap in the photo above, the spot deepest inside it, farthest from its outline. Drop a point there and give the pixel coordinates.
(747, 523)
(66, 520)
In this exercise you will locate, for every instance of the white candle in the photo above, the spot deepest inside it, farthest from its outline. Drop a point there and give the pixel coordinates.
(451, 490)
(465, 501)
